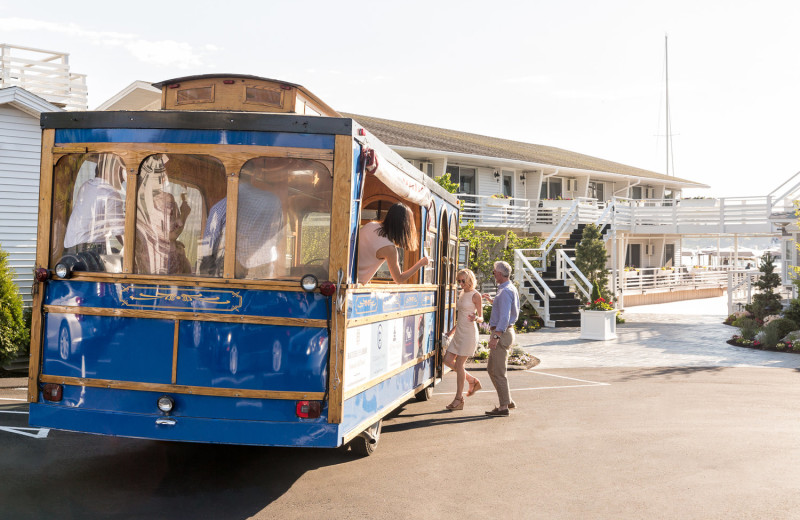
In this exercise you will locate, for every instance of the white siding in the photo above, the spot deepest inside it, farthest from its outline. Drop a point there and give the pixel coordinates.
(20, 142)
(487, 184)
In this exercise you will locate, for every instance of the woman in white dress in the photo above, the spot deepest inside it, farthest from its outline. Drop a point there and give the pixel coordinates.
(464, 336)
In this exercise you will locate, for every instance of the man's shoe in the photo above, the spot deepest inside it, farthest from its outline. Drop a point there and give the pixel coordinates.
(497, 412)
(512, 405)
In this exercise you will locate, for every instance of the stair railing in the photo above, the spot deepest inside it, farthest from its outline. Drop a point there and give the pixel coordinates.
(565, 225)
(606, 219)
(568, 271)
(525, 272)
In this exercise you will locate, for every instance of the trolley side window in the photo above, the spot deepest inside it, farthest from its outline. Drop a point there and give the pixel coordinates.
(89, 211)
(175, 229)
(375, 211)
(283, 219)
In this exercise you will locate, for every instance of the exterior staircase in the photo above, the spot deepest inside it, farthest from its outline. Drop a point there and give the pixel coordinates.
(564, 306)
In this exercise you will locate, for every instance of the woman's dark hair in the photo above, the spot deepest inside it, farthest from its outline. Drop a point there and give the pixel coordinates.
(398, 226)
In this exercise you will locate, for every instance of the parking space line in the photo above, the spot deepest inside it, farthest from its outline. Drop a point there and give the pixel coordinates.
(5, 411)
(591, 383)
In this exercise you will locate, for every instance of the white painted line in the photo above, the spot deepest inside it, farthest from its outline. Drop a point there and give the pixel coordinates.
(11, 399)
(23, 413)
(531, 371)
(36, 433)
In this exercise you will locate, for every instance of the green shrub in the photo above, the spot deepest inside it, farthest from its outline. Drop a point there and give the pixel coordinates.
(793, 311)
(770, 336)
(747, 326)
(13, 334)
(784, 326)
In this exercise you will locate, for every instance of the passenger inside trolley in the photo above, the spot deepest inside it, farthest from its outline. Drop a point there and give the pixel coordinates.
(378, 243)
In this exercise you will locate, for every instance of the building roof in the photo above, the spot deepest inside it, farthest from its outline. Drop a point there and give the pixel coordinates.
(400, 134)
(139, 95)
(25, 101)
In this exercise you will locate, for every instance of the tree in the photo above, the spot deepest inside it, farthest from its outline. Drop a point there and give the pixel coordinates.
(482, 251)
(445, 182)
(485, 249)
(13, 333)
(591, 257)
(766, 301)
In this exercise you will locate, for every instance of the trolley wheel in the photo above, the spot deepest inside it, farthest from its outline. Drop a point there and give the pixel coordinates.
(425, 394)
(365, 444)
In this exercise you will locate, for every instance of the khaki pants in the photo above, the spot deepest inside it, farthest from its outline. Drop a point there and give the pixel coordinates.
(498, 364)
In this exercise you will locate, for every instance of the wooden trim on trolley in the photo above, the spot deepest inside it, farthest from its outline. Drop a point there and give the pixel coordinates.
(378, 380)
(390, 316)
(42, 259)
(232, 213)
(181, 148)
(343, 162)
(393, 287)
(182, 389)
(185, 316)
(188, 281)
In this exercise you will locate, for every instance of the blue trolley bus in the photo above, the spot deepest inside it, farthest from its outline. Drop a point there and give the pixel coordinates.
(196, 272)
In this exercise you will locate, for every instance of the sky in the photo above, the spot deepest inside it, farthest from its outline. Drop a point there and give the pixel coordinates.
(582, 75)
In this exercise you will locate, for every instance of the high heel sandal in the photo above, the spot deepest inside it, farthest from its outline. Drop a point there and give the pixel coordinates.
(474, 387)
(457, 404)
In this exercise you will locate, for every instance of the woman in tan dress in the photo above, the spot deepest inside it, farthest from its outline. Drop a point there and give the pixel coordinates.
(464, 336)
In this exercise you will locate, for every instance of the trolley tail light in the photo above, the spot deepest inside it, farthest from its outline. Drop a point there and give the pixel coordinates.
(41, 274)
(327, 288)
(52, 392)
(309, 409)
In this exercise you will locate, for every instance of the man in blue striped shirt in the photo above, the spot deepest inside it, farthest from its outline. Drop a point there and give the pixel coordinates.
(505, 311)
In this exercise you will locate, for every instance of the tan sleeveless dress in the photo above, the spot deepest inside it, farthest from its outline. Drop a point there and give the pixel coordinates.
(465, 339)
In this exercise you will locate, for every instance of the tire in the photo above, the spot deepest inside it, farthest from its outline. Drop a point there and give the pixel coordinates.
(64, 341)
(425, 394)
(361, 446)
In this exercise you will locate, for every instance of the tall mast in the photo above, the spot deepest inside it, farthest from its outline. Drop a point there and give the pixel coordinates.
(668, 117)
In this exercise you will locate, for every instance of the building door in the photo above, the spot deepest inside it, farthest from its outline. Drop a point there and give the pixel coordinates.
(634, 256)
(669, 255)
(508, 184)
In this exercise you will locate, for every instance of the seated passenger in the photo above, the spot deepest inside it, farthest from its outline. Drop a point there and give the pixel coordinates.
(98, 213)
(258, 230)
(159, 223)
(377, 241)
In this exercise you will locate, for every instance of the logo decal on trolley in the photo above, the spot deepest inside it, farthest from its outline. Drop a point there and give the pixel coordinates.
(179, 298)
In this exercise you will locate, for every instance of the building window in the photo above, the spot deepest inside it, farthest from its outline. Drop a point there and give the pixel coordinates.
(596, 190)
(551, 189)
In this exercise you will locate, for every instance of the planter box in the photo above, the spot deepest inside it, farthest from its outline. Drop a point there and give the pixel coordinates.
(698, 203)
(497, 203)
(556, 203)
(598, 325)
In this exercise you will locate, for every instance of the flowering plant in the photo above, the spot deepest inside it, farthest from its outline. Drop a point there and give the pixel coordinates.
(500, 196)
(599, 304)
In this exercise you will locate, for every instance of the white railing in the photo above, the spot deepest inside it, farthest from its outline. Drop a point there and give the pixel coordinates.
(741, 287)
(725, 215)
(492, 212)
(525, 272)
(44, 73)
(664, 279)
(567, 270)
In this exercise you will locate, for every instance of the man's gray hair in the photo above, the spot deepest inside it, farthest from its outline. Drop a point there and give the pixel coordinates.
(503, 267)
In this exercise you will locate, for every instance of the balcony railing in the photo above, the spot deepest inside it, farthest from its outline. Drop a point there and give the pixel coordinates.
(725, 215)
(488, 211)
(44, 73)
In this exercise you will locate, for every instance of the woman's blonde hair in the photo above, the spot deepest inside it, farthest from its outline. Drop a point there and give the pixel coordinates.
(469, 277)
